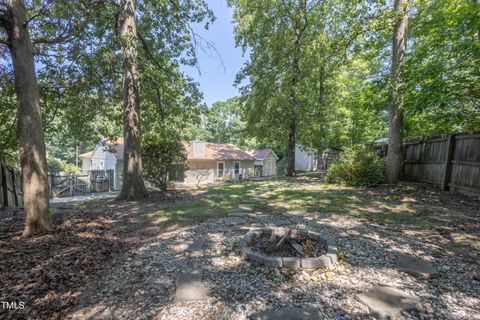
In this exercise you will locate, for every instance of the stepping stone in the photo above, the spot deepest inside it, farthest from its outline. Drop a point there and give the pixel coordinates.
(416, 267)
(289, 314)
(189, 286)
(245, 207)
(280, 222)
(389, 302)
(196, 248)
(233, 221)
(253, 226)
(181, 247)
(238, 214)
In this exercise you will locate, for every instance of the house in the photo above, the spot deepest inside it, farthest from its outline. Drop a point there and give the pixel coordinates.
(206, 162)
(209, 162)
(265, 162)
(328, 156)
(305, 158)
(107, 156)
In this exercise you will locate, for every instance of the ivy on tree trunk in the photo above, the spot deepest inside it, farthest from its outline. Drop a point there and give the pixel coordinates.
(133, 187)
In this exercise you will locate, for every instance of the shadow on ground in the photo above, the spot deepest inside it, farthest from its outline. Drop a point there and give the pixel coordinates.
(118, 260)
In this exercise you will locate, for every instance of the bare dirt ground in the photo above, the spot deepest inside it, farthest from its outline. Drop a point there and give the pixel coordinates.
(108, 259)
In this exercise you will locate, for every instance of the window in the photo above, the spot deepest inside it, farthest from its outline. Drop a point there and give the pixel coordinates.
(236, 168)
(220, 169)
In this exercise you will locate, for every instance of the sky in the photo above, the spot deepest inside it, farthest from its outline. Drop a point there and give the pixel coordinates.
(216, 81)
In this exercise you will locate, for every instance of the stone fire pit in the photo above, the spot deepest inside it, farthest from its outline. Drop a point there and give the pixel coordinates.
(288, 248)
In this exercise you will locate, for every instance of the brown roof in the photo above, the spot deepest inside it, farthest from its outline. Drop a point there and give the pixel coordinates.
(116, 146)
(261, 154)
(87, 155)
(218, 151)
(119, 146)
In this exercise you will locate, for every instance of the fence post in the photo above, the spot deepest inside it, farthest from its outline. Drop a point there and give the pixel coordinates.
(14, 188)
(448, 161)
(3, 187)
(4, 172)
(49, 179)
(70, 183)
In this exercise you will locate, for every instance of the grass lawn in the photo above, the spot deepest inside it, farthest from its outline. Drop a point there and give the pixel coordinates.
(408, 204)
(93, 238)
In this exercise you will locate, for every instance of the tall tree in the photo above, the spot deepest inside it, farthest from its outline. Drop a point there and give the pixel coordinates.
(441, 73)
(296, 48)
(133, 186)
(13, 18)
(395, 139)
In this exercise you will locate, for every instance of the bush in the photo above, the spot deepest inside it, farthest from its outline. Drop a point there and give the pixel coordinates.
(249, 173)
(357, 166)
(58, 165)
(160, 157)
(281, 166)
(229, 177)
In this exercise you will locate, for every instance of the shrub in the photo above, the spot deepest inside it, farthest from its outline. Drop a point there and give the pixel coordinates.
(229, 177)
(357, 166)
(281, 166)
(160, 157)
(58, 165)
(249, 173)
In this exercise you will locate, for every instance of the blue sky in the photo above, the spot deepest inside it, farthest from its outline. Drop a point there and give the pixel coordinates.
(216, 81)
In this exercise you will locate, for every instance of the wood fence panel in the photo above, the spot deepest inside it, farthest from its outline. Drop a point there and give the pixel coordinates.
(449, 162)
(2, 189)
(9, 189)
(424, 161)
(466, 163)
(65, 184)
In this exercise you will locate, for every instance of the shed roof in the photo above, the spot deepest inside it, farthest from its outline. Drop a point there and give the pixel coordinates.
(261, 154)
(116, 146)
(87, 155)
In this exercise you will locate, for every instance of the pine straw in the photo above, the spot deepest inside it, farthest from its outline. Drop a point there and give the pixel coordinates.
(49, 272)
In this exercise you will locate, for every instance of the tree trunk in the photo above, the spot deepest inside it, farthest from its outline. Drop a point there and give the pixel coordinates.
(395, 141)
(292, 135)
(30, 129)
(133, 187)
(321, 89)
(290, 171)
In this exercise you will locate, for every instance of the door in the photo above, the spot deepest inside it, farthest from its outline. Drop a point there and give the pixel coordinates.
(220, 170)
(268, 167)
(236, 168)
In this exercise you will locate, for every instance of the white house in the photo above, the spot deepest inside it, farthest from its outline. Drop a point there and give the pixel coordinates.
(305, 158)
(107, 155)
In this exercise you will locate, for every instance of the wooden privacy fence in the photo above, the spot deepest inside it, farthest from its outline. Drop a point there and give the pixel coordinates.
(449, 161)
(65, 184)
(10, 187)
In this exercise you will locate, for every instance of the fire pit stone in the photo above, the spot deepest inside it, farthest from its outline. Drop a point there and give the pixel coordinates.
(275, 240)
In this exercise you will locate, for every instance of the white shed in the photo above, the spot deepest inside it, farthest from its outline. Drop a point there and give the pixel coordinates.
(106, 155)
(305, 158)
(265, 162)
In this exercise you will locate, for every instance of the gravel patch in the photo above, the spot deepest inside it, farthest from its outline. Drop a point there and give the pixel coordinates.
(144, 285)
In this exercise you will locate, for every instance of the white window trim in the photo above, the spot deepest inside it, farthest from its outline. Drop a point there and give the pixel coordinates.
(223, 171)
(239, 168)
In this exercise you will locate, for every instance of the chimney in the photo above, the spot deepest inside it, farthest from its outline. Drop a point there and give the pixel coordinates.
(197, 149)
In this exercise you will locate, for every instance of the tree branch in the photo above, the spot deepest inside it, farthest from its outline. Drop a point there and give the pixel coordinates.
(39, 13)
(5, 42)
